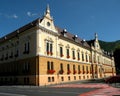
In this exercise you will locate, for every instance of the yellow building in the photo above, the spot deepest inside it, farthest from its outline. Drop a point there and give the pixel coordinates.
(40, 53)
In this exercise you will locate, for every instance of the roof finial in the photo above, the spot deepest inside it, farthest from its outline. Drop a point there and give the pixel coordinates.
(48, 9)
(96, 36)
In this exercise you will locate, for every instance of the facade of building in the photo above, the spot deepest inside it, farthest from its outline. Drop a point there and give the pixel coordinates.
(40, 53)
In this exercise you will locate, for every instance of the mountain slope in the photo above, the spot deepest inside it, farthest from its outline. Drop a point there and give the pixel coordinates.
(109, 46)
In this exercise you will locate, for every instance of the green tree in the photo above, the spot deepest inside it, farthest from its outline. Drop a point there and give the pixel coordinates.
(117, 59)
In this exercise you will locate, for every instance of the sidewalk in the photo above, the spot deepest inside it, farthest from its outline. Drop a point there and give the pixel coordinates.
(102, 89)
(110, 91)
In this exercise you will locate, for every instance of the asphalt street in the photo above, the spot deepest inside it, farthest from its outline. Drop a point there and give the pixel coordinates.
(41, 91)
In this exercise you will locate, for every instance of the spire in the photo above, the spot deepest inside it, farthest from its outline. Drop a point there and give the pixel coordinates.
(48, 9)
(96, 36)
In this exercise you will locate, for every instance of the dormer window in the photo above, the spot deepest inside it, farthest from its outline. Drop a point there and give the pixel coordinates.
(75, 37)
(64, 32)
(83, 41)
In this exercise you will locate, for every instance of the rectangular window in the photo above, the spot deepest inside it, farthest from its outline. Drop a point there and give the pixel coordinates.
(78, 67)
(73, 54)
(49, 79)
(11, 56)
(83, 68)
(28, 47)
(52, 67)
(82, 57)
(68, 53)
(47, 47)
(78, 55)
(87, 69)
(51, 48)
(68, 67)
(16, 53)
(48, 65)
(61, 51)
(73, 67)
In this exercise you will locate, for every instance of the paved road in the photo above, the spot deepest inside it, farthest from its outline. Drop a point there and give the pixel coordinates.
(41, 91)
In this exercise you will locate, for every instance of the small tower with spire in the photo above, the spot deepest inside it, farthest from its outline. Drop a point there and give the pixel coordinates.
(96, 42)
(48, 9)
(47, 20)
(96, 37)
(47, 13)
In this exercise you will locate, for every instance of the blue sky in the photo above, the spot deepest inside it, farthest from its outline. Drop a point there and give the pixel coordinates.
(80, 17)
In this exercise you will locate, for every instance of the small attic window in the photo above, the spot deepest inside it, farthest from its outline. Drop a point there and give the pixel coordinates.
(83, 41)
(64, 32)
(75, 37)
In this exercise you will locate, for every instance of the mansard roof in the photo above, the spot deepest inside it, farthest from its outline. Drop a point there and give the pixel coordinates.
(71, 37)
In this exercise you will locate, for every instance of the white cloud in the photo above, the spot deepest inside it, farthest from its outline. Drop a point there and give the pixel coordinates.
(14, 16)
(31, 14)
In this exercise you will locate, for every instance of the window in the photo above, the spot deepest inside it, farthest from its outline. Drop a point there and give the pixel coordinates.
(74, 71)
(79, 69)
(68, 69)
(87, 69)
(73, 67)
(67, 50)
(61, 69)
(11, 56)
(74, 77)
(86, 58)
(52, 79)
(6, 56)
(16, 53)
(49, 48)
(78, 55)
(26, 48)
(61, 52)
(49, 79)
(68, 77)
(2, 58)
(62, 78)
(50, 67)
(26, 67)
(73, 54)
(83, 69)
(82, 56)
